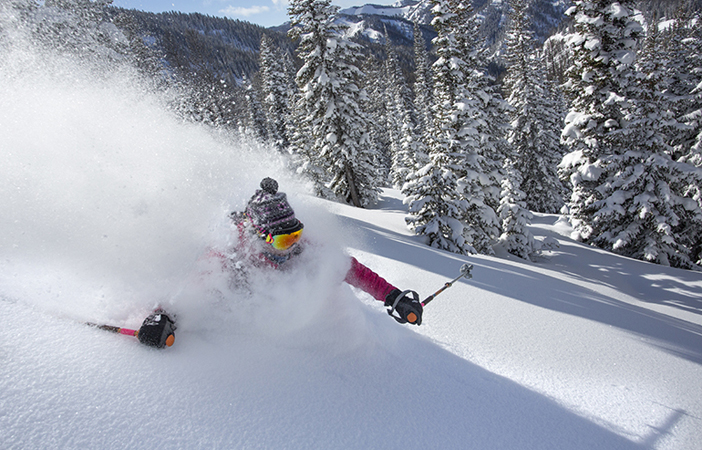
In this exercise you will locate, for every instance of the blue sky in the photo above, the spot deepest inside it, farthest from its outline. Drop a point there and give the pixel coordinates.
(266, 13)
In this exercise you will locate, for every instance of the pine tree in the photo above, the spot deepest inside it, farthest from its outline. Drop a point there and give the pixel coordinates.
(684, 94)
(257, 119)
(627, 195)
(401, 126)
(299, 142)
(604, 44)
(435, 207)
(376, 85)
(516, 237)
(532, 137)
(274, 86)
(331, 97)
(684, 47)
(423, 101)
(523, 133)
(457, 212)
(653, 209)
(392, 123)
(422, 83)
(480, 128)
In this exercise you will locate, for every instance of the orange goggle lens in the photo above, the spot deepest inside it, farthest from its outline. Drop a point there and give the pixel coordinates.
(284, 241)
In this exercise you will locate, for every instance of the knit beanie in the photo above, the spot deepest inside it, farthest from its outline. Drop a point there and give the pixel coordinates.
(270, 212)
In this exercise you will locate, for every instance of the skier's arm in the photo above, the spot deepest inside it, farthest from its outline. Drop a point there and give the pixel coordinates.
(404, 307)
(365, 279)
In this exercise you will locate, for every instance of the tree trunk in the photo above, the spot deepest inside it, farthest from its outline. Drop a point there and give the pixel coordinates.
(352, 187)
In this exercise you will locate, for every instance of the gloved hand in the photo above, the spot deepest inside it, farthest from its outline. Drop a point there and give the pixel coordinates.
(157, 330)
(404, 306)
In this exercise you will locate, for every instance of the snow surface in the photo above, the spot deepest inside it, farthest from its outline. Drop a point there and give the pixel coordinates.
(109, 202)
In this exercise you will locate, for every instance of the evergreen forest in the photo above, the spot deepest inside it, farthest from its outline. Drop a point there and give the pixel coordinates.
(481, 116)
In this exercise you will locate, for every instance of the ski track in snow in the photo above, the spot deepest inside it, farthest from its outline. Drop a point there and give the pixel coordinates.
(108, 204)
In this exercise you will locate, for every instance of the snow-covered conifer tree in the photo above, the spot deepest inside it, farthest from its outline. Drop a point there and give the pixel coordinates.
(689, 143)
(480, 127)
(435, 207)
(667, 83)
(404, 141)
(651, 209)
(376, 86)
(683, 47)
(331, 97)
(516, 237)
(422, 83)
(299, 141)
(449, 197)
(605, 42)
(626, 196)
(533, 137)
(257, 119)
(392, 123)
(274, 86)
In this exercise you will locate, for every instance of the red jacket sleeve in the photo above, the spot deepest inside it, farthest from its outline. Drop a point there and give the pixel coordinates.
(365, 279)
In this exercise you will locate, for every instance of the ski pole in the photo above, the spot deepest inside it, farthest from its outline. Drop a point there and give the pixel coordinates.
(158, 330)
(465, 273)
(113, 329)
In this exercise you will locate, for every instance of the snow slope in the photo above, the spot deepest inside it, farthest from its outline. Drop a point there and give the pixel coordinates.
(108, 204)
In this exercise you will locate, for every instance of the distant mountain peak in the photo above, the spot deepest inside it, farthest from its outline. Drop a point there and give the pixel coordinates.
(412, 10)
(547, 15)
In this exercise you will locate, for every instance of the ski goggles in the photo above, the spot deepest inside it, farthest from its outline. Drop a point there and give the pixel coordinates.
(283, 241)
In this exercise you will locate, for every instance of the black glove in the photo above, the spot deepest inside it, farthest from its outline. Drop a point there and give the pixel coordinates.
(158, 330)
(404, 306)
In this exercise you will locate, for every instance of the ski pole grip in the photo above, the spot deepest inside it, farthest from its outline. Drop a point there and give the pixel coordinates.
(428, 299)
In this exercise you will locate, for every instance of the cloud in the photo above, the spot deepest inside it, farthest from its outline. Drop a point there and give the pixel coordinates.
(238, 11)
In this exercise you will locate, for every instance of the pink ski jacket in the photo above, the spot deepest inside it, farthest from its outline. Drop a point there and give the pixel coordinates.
(365, 279)
(358, 275)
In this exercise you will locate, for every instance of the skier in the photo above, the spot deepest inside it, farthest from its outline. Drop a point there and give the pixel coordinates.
(269, 236)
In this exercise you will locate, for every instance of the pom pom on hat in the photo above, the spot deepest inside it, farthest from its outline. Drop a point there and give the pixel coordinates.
(269, 185)
(270, 212)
